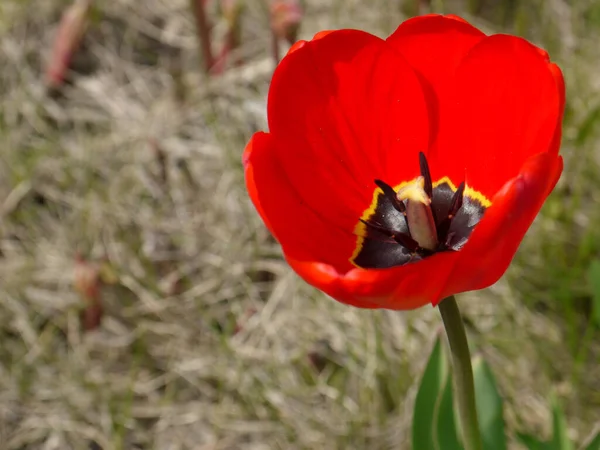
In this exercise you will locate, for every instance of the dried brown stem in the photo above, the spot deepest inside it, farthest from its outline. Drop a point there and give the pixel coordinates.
(203, 32)
(275, 48)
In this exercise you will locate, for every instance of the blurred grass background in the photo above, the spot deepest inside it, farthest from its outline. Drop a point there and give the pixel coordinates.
(208, 341)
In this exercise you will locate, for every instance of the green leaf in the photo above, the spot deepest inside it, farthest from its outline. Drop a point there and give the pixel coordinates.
(594, 443)
(489, 406)
(532, 443)
(560, 439)
(446, 436)
(594, 280)
(428, 399)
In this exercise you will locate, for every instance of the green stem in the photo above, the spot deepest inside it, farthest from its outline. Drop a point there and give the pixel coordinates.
(463, 373)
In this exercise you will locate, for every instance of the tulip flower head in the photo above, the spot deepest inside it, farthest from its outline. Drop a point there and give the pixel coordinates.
(398, 172)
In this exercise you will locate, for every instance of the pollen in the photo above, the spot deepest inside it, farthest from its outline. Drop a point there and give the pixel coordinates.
(414, 191)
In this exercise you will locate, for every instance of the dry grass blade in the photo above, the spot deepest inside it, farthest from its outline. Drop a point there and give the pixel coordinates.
(208, 341)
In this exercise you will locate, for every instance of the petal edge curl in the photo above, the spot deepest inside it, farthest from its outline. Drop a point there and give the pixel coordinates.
(495, 240)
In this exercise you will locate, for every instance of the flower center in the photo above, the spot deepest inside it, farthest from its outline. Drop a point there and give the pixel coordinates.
(416, 220)
(419, 216)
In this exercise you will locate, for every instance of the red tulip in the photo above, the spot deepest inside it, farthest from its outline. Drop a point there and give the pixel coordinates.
(399, 172)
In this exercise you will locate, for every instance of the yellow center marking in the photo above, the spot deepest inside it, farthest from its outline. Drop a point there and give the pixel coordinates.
(414, 191)
(360, 230)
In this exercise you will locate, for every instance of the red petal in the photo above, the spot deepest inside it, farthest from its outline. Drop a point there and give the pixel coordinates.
(302, 233)
(560, 84)
(434, 46)
(482, 261)
(256, 141)
(406, 287)
(344, 110)
(507, 104)
(299, 44)
(494, 242)
(327, 279)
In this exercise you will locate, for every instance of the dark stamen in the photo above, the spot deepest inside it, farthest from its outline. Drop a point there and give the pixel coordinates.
(428, 187)
(390, 194)
(407, 242)
(385, 234)
(422, 219)
(457, 200)
(455, 205)
(401, 238)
